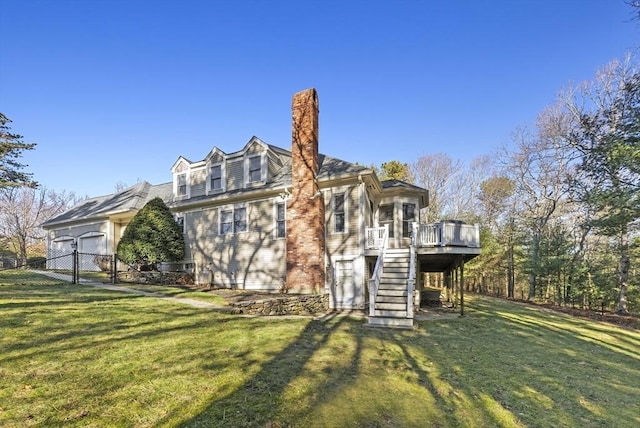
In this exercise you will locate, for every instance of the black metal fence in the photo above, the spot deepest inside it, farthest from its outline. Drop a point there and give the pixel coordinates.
(78, 266)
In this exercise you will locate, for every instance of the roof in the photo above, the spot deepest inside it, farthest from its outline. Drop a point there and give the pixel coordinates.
(135, 197)
(130, 199)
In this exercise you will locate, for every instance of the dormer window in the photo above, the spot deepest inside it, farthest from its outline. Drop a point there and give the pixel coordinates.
(216, 178)
(181, 187)
(255, 169)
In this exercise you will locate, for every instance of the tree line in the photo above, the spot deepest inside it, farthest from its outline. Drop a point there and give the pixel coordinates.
(559, 206)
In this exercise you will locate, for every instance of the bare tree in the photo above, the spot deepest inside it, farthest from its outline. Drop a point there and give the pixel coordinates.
(23, 210)
(437, 174)
(539, 167)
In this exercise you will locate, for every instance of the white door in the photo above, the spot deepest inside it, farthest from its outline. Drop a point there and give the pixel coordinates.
(345, 284)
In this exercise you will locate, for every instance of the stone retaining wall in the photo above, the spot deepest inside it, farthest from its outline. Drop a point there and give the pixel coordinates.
(286, 305)
(156, 277)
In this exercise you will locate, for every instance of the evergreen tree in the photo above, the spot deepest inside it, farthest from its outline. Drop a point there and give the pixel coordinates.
(152, 236)
(11, 147)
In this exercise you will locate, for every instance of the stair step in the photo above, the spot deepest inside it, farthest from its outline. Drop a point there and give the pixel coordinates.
(391, 299)
(392, 292)
(391, 306)
(396, 266)
(390, 314)
(386, 274)
(391, 322)
(396, 251)
(394, 283)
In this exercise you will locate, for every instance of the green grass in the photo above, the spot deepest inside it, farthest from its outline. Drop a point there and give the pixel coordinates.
(178, 292)
(72, 355)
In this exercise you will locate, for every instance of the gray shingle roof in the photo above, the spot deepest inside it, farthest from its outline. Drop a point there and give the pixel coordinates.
(132, 198)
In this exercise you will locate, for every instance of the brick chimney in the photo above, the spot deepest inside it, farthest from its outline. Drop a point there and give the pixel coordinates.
(305, 211)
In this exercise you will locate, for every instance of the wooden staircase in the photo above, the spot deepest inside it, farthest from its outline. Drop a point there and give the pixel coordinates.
(390, 308)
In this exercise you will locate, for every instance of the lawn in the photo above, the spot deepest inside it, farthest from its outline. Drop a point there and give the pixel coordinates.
(74, 355)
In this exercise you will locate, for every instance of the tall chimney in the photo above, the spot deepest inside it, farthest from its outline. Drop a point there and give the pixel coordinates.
(305, 211)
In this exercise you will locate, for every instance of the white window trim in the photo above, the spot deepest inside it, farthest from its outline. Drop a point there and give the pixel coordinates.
(275, 219)
(263, 168)
(187, 175)
(345, 211)
(223, 177)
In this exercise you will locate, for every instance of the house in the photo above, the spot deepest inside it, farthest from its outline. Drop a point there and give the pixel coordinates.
(268, 218)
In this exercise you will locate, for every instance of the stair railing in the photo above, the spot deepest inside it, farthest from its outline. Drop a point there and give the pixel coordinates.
(411, 281)
(374, 281)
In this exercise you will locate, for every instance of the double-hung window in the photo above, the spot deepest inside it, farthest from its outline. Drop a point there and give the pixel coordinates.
(180, 221)
(215, 178)
(255, 169)
(182, 184)
(233, 220)
(339, 212)
(280, 220)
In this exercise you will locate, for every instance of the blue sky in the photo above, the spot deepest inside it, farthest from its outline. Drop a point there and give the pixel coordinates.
(115, 90)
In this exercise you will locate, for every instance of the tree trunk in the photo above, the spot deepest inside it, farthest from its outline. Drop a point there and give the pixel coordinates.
(534, 266)
(510, 272)
(623, 274)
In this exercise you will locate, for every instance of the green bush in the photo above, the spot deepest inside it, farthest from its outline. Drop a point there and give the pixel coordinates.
(153, 236)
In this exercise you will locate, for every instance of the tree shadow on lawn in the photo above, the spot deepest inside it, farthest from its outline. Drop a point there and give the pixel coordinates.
(479, 370)
(68, 323)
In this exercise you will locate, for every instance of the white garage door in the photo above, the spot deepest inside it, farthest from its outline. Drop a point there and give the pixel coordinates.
(89, 247)
(60, 254)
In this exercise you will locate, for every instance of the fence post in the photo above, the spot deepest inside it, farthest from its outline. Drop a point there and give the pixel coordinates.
(114, 269)
(74, 268)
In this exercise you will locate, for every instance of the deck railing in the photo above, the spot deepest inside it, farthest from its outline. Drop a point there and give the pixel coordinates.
(448, 233)
(443, 234)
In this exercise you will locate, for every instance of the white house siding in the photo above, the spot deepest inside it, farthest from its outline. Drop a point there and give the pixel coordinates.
(235, 174)
(198, 182)
(343, 251)
(248, 260)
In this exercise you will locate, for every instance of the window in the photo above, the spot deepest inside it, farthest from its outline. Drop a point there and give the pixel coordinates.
(182, 184)
(255, 169)
(226, 222)
(240, 220)
(180, 221)
(281, 230)
(215, 177)
(233, 220)
(339, 213)
(408, 217)
(385, 217)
